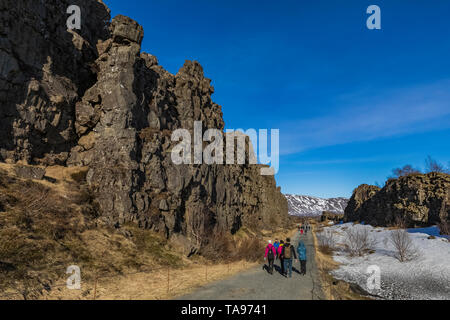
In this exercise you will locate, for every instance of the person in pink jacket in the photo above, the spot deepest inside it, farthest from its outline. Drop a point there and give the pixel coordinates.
(270, 255)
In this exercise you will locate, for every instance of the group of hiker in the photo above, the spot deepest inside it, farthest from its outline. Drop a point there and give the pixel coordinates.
(286, 253)
(304, 228)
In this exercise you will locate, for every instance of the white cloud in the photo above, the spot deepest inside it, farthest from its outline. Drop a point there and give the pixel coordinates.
(397, 112)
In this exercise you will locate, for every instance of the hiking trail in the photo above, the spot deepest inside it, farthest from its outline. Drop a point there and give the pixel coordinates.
(258, 284)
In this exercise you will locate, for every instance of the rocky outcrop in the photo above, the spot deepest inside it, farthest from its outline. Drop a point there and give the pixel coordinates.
(92, 98)
(44, 70)
(415, 199)
(331, 216)
(360, 195)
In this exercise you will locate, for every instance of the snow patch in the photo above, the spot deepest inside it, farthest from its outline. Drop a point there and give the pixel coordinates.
(426, 277)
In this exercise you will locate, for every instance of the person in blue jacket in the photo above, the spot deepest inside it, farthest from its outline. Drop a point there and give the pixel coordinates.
(276, 245)
(301, 250)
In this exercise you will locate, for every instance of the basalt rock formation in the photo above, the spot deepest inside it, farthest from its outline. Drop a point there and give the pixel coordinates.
(360, 195)
(91, 98)
(415, 199)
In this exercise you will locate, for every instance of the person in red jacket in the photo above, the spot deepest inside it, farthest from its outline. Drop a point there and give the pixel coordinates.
(270, 255)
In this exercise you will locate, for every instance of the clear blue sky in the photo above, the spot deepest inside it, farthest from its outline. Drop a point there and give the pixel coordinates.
(350, 103)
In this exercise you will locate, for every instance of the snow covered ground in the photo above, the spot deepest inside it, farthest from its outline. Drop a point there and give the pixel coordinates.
(426, 277)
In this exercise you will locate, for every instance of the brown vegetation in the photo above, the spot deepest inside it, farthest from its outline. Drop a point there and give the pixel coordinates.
(225, 247)
(46, 227)
(444, 227)
(358, 241)
(431, 165)
(326, 242)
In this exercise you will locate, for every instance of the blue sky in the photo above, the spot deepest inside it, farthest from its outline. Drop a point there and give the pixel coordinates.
(350, 103)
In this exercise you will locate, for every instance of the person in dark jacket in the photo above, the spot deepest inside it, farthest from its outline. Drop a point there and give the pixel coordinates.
(280, 248)
(288, 254)
(301, 251)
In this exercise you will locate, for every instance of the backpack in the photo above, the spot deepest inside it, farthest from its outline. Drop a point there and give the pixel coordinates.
(287, 252)
(270, 255)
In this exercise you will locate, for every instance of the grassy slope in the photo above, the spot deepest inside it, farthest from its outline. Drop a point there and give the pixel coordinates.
(47, 226)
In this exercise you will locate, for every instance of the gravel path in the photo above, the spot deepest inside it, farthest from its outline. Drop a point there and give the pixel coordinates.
(258, 284)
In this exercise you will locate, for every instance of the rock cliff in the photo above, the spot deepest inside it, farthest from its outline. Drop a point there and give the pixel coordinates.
(91, 98)
(415, 199)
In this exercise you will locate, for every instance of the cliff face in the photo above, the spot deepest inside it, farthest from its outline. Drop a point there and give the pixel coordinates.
(44, 71)
(360, 195)
(92, 98)
(417, 199)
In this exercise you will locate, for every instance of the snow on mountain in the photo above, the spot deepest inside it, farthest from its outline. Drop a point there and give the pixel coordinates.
(307, 205)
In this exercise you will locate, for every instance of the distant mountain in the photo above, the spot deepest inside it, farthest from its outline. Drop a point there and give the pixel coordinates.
(307, 205)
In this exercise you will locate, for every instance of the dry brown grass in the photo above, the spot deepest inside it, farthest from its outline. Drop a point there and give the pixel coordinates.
(193, 274)
(280, 234)
(47, 225)
(160, 284)
(325, 241)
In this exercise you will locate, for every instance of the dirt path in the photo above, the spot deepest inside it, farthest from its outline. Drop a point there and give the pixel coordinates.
(257, 284)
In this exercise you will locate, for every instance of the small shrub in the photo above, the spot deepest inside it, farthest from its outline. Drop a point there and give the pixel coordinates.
(326, 241)
(403, 245)
(220, 247)
(358, 241)
(251, 249)
(400, 223)
(223, 247)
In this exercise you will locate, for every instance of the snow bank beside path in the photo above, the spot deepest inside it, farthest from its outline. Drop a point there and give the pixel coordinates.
(426, 277)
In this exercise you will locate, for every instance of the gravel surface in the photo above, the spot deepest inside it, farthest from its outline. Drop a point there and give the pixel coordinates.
(258, 284)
